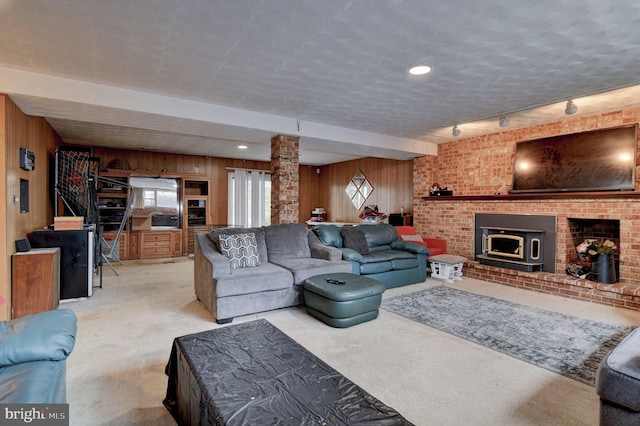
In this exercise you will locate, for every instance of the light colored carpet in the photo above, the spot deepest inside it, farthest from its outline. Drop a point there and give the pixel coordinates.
(125, 330)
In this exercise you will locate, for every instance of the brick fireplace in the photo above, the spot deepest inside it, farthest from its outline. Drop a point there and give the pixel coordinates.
(477, 168)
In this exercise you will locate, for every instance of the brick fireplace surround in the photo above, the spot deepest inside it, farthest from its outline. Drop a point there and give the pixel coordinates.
(477, 168)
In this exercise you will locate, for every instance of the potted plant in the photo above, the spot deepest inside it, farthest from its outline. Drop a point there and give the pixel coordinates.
(600, 254)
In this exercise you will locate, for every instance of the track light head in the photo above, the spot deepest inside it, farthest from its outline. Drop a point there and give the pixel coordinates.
(503, 121)
(455, 131)
(571, 108)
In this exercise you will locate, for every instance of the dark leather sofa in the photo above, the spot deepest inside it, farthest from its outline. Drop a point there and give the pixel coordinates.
(386, 258)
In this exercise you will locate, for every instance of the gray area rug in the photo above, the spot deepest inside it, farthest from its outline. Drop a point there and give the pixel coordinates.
(567, 345)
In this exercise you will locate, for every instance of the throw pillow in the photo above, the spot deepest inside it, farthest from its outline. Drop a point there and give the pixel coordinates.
(416, 238)
(287, 241)
(354, 238)
(329, 235)
(241, 249)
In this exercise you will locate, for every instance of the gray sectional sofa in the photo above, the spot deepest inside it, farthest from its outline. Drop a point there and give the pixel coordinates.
(262, 268)
(376, 251)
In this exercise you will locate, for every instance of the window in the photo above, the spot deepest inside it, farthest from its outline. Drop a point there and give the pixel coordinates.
(249, 198)
(159, 198)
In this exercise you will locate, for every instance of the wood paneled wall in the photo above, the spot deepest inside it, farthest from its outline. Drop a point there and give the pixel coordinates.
(324, 186)
(392, 182)
(309, 191)
(18, 130)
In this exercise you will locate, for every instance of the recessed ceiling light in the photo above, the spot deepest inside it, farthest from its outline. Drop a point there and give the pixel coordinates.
(242, 147)
(420, 70)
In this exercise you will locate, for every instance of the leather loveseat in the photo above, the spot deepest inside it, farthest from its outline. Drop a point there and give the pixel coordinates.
(285, 255)
(33, 353)
(376, 251)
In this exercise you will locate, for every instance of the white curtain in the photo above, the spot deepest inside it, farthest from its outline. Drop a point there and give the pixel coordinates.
(257, 199)
(248, 198)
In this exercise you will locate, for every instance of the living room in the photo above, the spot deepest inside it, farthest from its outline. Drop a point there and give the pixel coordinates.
(402, 148)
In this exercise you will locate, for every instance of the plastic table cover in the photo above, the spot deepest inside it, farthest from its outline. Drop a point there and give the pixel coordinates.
(254, 374)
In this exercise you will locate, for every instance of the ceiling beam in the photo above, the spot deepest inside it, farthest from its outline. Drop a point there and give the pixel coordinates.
(117, 101)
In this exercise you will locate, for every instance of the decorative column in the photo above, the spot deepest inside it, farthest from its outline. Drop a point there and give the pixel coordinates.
(285, 179)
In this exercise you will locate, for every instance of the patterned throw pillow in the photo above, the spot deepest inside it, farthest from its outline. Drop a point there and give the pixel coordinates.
(241, 249)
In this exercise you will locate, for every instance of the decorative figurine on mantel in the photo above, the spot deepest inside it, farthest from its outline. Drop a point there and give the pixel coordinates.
(435, 190)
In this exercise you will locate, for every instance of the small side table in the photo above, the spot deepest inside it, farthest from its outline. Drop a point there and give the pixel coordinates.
(35, 281)
(447, 267)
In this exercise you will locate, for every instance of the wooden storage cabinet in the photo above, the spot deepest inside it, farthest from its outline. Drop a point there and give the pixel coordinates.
(110, 236)
(35, 280)
(155, 244)
(134, 245)
(195, 210)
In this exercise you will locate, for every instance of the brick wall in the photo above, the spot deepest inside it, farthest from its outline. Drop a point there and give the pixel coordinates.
(484, 165)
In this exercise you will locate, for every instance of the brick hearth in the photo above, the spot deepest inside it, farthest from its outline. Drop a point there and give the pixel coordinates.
(620, 295)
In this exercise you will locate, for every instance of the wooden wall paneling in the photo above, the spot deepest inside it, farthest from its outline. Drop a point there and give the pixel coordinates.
(392, 181)
(5, 268)
(34, 133)
(309, 191)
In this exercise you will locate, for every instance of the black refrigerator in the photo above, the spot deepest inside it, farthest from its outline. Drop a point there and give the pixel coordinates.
(76, 258)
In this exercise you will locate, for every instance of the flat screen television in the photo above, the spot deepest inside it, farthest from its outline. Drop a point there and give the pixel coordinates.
(599, 160)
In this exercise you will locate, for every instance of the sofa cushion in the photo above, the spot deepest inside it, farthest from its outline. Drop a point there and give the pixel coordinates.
(241, 249)
(259, 233)
(45, 336)
(287, 241)
(377, 256)
(329, 235)
(411, 246)
(404, 263)
(376, 267)
(354, 238)
(304, 268)
(379, 235)
(262, 278)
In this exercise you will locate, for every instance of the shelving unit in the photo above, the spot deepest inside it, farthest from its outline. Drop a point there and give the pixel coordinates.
(195, 210)
(112, 203)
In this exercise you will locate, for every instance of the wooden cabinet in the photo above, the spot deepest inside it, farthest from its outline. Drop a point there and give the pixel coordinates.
(155, 244)
(35, 283)
(195, 209)
(166, 238)
(134, 245)
(123, 243)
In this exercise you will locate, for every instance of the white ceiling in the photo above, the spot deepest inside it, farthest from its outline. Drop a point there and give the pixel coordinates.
(203, 76)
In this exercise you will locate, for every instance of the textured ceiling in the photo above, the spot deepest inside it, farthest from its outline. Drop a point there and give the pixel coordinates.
(204, 76)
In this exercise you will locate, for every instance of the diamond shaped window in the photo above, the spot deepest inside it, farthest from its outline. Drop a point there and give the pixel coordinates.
(359, 189)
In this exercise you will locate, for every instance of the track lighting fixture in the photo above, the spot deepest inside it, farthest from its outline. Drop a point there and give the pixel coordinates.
(455, 131)
(503, 121)
(571, 108)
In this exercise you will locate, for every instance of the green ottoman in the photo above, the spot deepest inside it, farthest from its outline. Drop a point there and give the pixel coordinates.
(353, 300)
